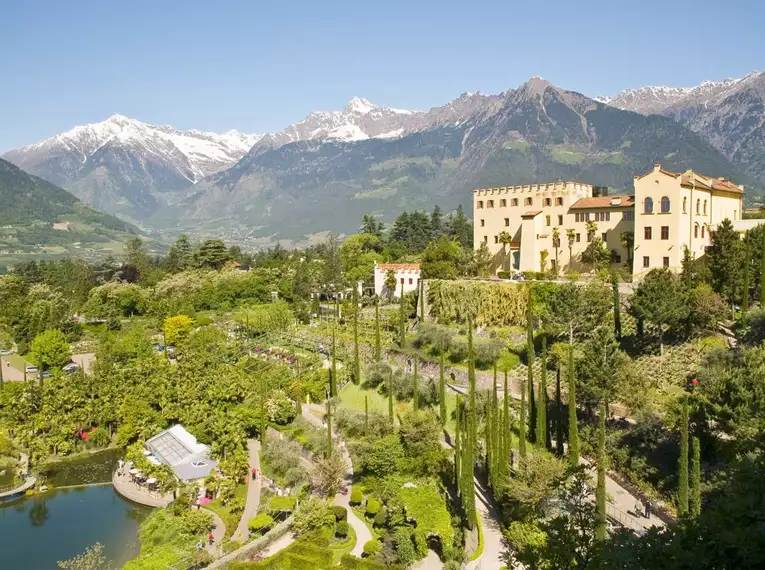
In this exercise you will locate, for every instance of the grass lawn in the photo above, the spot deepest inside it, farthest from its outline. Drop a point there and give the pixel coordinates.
(231, 520)
(352, 398)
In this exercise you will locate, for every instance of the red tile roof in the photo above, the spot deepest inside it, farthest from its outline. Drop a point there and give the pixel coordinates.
(604, 202)
(399, 266)
(531, 213)
(691, 179)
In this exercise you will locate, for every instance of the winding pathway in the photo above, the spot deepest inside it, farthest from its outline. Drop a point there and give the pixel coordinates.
(219, 532)
(242, 532)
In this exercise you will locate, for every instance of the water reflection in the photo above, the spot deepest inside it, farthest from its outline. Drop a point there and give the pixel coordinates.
(38, 513)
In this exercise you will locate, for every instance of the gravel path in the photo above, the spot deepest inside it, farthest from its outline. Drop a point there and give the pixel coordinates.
(252, 504)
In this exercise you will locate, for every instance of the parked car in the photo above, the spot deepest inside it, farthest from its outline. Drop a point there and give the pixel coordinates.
(71, 368)
(30, 369)
(45, 374)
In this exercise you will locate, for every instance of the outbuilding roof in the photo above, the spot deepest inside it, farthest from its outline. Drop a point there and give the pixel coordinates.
(179, 450)
(601, 202)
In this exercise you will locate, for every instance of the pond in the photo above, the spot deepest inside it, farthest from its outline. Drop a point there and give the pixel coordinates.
(36, 532)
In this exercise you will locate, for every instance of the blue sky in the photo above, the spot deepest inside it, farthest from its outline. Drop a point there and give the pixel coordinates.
(258, 66)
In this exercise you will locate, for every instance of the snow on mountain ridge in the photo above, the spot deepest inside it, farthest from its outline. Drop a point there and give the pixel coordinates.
(204, 152)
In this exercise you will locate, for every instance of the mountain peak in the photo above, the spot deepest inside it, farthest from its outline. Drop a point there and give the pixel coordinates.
(536, 85)
(360, 106)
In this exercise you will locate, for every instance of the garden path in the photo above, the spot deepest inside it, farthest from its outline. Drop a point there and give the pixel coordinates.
(493, 540)
(430, 562)
(218, 531)
(252, 504)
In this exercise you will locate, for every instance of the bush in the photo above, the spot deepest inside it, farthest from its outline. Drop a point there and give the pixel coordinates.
(356, 496)
(381, 518)
(458, 351)
(282, 504)
(261, 523)
(373, 506)
(341, 529)
(100, 437)
(372, 547)
(312, 514)
(504, 274)
(487, 351)
(341, 513)
(402, 538)
(376, 374)
(236, 505)
(279, 408)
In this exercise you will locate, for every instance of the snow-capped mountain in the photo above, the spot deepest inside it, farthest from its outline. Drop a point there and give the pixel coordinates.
(119, 164)
(729, 114)
(359, 120)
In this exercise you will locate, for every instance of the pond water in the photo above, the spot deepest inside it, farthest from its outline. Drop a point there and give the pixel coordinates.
(36, 532)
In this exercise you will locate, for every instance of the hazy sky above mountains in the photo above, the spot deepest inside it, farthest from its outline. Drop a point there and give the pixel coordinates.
(258, 66)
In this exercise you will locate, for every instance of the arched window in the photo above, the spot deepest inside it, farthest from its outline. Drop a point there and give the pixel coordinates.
(698, 206)
(648, 206)
(705, 207)
(664, 205)
(702, 231)
(685, 205)
(695, 230)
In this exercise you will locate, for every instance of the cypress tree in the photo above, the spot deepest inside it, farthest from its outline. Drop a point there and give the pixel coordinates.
(541, 434)
(416, 392)
(2, 381)
(262, 412)
(682, 492)
(747, 279)
(695, 499)
(356, 359)
(530, 364)
(489, 450)
(457, 450)
(558, 414)
(469, 446)
(617, 306)
(600, 491)
(333, 375)
(402, 320)
(329, 427)
(522, 428)
(422, 300)
(507, 441)
(390, 396)
(494, 426)
(762, 272)
(366, 415)
(442, 388)
(573, 427)
(378, 345)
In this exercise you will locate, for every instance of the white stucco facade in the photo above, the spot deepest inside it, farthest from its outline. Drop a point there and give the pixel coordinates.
(407, 275)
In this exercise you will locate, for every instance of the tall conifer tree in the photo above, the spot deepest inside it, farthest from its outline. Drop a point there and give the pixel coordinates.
(541, 435)
(573, 426)
(695, 499)
(682, 464)
(600, 490)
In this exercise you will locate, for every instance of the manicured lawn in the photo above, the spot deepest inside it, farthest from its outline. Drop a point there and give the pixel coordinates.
(352, 398)
(231, 520)
(340, 549)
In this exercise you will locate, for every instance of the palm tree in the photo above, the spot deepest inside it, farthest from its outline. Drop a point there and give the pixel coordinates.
(627, 240)
(556, 245)
(571, 236)
(505, 238)
(592, 227)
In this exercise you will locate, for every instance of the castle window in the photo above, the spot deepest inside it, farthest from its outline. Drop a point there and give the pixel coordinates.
(490, 204)
(702, 231)
(496, 239)
(548, 202)
(666, 262)
(514, 202)
(507, 222)
(705, 207)
(628, 216)
(480, 204)
(483, 222)
(664, 205)
(547, 220)
(685, 205)
(529, 202)
(560, 220)
(558, 201)
(648, 206)
(647, 232)
(502, 203)
(698, 206)
(646, 261)
(695, 230)
(664, 232)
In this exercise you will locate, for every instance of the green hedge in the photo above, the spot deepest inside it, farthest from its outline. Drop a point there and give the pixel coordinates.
(351, 562)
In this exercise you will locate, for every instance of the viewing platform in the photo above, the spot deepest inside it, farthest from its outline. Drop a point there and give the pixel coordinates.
(125, 486)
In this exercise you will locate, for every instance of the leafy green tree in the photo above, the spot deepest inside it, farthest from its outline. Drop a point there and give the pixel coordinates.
(370, 225)
(180, 256)
(311, 514)
(50, 349)
(358, 255)
(597, 254)
(617, 306)
(600, 368)
(212, 254)
(660, 299)
(441, 259)
(726, 261)
(460, 229)
(328, 474)
(576, 311)
(482, 261)
(136, 260)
